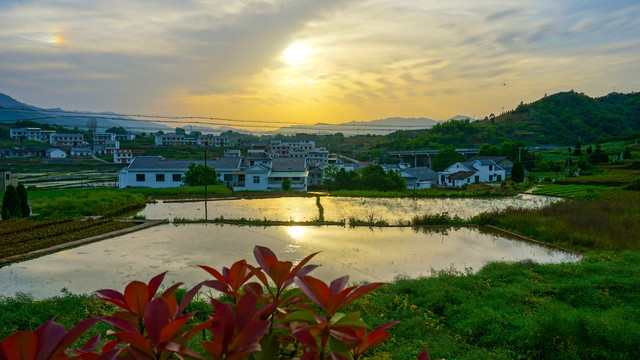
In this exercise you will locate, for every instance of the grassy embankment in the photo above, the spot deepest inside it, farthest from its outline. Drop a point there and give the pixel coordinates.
(476, 190)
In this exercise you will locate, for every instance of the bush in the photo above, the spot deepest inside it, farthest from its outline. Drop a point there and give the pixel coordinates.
(310, 322)
(10, 203)
(633, 185)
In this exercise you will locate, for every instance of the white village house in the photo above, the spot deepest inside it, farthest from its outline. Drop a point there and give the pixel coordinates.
(157, 172)
(54, 153)
(469, 172)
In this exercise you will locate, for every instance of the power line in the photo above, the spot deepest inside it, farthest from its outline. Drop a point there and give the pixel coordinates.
(195, 119)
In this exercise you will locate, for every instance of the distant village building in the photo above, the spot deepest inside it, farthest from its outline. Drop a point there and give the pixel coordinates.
(54, 153)
(7, 178)
(101, 138)
(125, 137)
(122, 156)
(68, 139)
(419, 178)
(81, 152)
(155, 171)
(469, 172)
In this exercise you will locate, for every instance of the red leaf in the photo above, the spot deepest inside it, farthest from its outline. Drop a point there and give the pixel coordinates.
(216, 274)
(338, 285)
(156, 316)
(136, 295)
(374, 338)
(315, 289)
(306, 338)
(49, 335)
(20, 346)
(251, 333)
(424, 355)
(171, 330)
(137, 341)
(91, 344)
(265, 257)
(154, 284)
(120, 324)
(109, 355)
(187, 298)
(179, 349)
(72, 335)
(279, 272)
(111, 294)
(243, 352)
(361, 290)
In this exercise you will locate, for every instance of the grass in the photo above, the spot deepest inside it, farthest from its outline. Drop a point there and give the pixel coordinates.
(371, 221)
(609, 220)
(74, 203)
(585, 310)
(181, 191)
(523, 310)
(572, 191)
(478, 190)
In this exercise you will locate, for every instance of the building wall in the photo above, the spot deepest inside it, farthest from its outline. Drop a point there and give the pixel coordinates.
(130, 179)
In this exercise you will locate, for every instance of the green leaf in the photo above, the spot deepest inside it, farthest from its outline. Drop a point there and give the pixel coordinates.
(301, 315)
(349, 320)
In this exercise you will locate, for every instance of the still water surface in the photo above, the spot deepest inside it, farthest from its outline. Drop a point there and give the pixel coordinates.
(339, 208)
(363, 254)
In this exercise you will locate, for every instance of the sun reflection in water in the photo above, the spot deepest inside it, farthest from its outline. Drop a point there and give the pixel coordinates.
(296, 232)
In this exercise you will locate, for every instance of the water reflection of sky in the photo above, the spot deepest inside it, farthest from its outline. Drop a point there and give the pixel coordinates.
(363, 254)
(337, 208)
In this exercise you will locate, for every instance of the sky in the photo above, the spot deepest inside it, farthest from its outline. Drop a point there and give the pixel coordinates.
(308, 61)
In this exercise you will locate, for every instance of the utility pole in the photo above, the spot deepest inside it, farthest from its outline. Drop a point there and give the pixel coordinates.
(520, 154)
(206, 175)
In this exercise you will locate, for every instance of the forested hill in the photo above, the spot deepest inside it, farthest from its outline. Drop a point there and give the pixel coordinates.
(559, 119)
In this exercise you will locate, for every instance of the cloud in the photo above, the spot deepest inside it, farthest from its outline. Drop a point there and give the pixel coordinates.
(371, 58)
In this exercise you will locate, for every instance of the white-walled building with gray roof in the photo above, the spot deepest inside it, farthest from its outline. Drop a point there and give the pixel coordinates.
(157, 172)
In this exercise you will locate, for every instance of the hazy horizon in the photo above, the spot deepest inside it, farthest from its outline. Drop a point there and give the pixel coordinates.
(306, 62)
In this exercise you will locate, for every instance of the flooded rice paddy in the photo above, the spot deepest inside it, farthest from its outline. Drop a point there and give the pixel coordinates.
(378, 254)
(392, 210)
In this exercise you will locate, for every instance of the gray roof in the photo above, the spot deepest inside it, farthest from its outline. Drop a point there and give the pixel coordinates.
(289, 164)
(497, 159)
(421, 173)
(160, 163)
(460, 175)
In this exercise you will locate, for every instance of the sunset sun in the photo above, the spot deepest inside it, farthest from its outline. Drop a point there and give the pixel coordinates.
(296, 54)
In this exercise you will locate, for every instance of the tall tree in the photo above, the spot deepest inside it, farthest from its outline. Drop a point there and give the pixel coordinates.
(445, 158)
(10, 203)
(517, 172)
(25, 211)
(197, 175)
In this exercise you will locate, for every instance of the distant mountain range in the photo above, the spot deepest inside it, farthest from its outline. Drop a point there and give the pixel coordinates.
(12, 110)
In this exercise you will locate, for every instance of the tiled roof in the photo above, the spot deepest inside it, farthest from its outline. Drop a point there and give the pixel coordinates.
(289, 164)
(421, 173)
(461, 175)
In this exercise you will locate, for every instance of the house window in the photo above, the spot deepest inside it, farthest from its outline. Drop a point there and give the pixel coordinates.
(160, 177)
(468, 180)
(256, 179)
(228, 177)
(490, 167)
(177, 177)
(7, 176)
(140, 177)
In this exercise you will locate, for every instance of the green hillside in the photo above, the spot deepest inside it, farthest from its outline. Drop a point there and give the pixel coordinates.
(559, 119)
